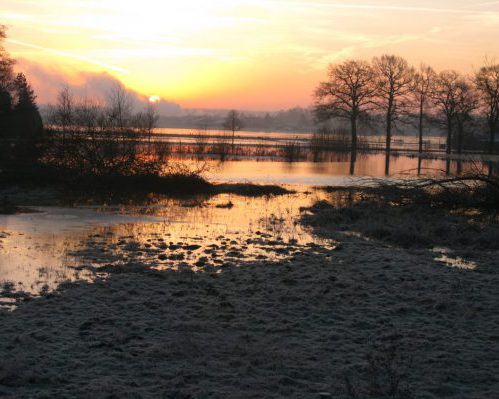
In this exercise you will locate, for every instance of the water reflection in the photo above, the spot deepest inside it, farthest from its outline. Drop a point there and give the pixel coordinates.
(353, 160)
(447, 258)
(36, 248)
(387, 163)
(338, 168)
(39, 251)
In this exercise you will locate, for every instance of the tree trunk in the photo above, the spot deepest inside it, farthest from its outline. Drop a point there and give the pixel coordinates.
(492, 132)
(449, 135)
(388, 132)
(353, 159)
(421, 113)
(389, 113)
(353, 121)
(233, 134)
(460, 134)
(387, 163)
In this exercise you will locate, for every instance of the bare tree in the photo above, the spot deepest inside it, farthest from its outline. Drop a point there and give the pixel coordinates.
(233, 123)
(92, 145)
(147, 121)
(151, 117)
(466, 104)
(394, 79)
(422, 89)
(446, 100)
(487, 83)
(120, 107)
(347, 94)
(61, 115)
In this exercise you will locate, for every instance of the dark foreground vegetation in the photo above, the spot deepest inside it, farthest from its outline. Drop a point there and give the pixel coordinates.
(95, 148)
(460, 214)
(92, 150)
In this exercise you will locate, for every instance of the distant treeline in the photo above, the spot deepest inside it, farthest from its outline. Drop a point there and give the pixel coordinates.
(291, 120)
(389, 93)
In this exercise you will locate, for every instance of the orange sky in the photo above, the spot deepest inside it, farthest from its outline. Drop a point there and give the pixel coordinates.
(246, 54)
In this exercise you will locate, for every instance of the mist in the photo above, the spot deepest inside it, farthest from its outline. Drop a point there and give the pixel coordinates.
(48, 82)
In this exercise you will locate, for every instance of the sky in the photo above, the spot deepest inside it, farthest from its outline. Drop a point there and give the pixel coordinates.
(242, 54)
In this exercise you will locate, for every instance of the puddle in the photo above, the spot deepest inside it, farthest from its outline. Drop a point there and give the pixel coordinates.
(456, 262)
(446, 258)
(36, 248)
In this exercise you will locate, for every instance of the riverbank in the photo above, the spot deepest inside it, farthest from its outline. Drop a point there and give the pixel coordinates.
(18, 198)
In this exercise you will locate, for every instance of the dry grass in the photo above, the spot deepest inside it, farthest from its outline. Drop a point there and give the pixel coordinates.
(410, 218)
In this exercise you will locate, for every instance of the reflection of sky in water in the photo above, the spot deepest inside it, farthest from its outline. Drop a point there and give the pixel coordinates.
(333, 172)
(35, 247)
(261, 137)
(40, 250)
(448, 259)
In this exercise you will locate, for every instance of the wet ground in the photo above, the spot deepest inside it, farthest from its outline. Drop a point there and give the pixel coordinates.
(51, 245)
(337, 169)
(42, 249)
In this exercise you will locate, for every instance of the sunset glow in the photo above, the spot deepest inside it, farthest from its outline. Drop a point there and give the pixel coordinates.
(258, 54)
(154, 99)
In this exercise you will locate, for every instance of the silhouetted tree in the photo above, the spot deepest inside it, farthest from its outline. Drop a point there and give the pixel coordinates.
(446, 100)
(422, 90)
(487, 83)
(6, 73)
(268, 121)
(147, 120)
(62, 114)
(20, 122)
(103, 139)
(466, 103)
(120, 108)
(6, 64)
(394, 79)
(25, 96)
(151, 118)
(347, 94)
(5, 102)
(234, 123)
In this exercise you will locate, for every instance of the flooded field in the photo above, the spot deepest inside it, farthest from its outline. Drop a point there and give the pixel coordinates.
(40, 250)
(338, 169)
(242, 137)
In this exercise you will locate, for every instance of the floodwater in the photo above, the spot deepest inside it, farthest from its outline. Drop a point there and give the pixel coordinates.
(338, 169)
(40, 250)
(36, 249)
(247, 137)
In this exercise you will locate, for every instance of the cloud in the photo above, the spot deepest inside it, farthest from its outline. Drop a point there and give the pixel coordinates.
(47, 82)
(67, 54)
(327, 4)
